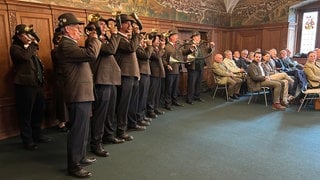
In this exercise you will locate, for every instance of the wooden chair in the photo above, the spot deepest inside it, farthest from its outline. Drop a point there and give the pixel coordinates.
(219, 86)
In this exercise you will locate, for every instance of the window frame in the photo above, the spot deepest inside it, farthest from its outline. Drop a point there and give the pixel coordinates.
(308, 8)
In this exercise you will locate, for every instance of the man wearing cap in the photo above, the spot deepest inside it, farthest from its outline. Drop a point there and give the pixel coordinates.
(172, 69)
(78, 89)
(157, 73)
(195, 67)
(28, 81)
(126, 111)
(107, 75)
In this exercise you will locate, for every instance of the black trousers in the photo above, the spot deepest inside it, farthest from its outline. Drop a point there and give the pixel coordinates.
(194, 84)
(77, 138)
(30, 110)
(127, 104)
(103, 121)
(154, 94)
(171, 89)
(144, 85)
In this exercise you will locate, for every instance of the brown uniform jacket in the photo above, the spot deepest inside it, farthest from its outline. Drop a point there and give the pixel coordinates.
(156, 65)
(177, 53)
(24, 67)
(143, 55)
(76, 68)
(106, 69)
(203, 51)
(254, 77)
(313, 74)
(126, 55)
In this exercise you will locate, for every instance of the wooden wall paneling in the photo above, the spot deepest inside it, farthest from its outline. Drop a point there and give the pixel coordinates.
(275, 37)
(247, 39)
(6, 64)
(8, 124)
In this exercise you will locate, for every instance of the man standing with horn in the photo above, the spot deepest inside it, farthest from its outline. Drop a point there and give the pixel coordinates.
(172, 69)
(195, 68)
(107, 75)
(129, 90)
(78, 89)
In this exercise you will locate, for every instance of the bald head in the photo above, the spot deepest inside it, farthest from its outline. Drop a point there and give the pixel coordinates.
(218, 58)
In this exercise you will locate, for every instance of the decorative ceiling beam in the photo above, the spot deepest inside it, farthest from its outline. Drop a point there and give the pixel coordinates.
(230, 4)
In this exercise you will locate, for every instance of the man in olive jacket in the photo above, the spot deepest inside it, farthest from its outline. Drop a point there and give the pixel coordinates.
(78, 89)
(223, 76)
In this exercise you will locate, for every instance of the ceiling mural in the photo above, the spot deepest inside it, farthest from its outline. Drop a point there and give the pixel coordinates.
(215, 12)
(248, 12)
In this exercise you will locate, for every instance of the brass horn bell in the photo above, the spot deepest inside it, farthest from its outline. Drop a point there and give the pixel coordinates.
(173, 60)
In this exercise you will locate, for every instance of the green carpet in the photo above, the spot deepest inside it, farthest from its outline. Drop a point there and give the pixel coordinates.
(206, 141)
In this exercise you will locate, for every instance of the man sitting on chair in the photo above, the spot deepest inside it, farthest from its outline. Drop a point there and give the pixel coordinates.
(259, 79)
(223, 76)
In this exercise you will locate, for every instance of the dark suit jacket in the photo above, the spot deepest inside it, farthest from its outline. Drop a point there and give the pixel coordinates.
(106, 69)
(24, 67)
(143, 55)
(76, 68)
(156, 65)
(255, 77)
(126, 55)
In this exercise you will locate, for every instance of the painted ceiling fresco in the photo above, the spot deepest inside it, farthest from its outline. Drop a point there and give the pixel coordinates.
(215, 12)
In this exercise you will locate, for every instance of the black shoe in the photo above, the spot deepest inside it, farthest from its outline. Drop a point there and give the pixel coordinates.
(234, 97)
(168, 108)
(81, 173)
(189, 102)
(137, 128)
(88, 161)
(230, 99)
(147, 119)
(43, 139)
(143, 123)
(158, 112)
(177, 104)
(31, 146)
(113, 141)
(100, 152)
(152, 115)
(125, 137)
(199, 99)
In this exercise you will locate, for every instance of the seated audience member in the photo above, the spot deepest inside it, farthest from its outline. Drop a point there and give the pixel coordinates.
(239, 62)
(283, 78)
(223, 75)
(244, 57)
(258, 78)
(291, 71)
(312, 71)
(275, 61)
(250, 58)
(287, 60)
(231, 65)
(287, 65)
